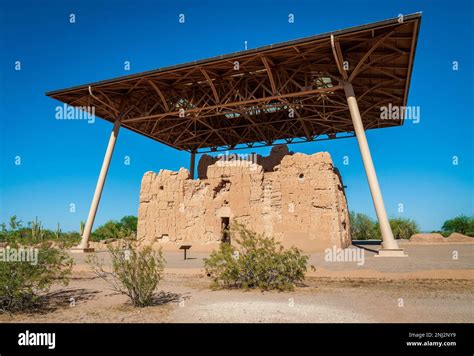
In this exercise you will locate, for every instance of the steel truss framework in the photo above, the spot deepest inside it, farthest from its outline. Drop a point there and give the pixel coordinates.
(291, 91)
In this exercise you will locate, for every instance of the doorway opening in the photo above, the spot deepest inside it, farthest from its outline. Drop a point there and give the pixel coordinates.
(225, 230)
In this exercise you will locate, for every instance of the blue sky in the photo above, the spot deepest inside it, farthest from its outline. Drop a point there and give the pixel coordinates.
(60, 160)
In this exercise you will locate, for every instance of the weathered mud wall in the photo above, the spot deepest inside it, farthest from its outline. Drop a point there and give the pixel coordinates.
(299, 199)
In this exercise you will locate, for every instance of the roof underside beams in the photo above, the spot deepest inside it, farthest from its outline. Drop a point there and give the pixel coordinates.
(289, 92)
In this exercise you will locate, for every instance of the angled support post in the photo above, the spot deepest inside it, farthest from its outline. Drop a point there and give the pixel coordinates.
(390, 246)
(192, 164)
(84, 245)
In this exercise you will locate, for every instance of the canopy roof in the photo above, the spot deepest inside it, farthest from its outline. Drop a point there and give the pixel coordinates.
(289, 91)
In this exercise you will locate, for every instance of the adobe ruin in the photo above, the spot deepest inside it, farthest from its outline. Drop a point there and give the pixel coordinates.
(299, 199)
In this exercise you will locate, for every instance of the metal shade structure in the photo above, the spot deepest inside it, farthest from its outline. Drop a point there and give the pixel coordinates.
(245, 99)
(320, 87)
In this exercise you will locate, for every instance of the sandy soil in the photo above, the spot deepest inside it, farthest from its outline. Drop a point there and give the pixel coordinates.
(187, 298)
(427, 286)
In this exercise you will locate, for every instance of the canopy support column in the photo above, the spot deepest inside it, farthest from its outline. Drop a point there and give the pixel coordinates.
(191, 164)
(84, 245)
(390, 246)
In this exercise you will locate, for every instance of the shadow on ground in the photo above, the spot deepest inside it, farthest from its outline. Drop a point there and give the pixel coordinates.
(364, 243)
(163, 298)
(65, 298)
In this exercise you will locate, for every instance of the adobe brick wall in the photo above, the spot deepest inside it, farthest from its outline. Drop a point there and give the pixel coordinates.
(297, 198)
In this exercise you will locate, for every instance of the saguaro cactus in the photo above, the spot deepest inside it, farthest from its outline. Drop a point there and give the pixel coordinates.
(82, 224)
(36, 230)
(58, 231)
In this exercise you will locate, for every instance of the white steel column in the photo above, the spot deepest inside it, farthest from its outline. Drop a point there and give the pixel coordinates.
(389, 244)
(84, 245)
(191, 164)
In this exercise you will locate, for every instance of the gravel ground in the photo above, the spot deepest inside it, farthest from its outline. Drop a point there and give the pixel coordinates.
(427, 286)
(187, 298)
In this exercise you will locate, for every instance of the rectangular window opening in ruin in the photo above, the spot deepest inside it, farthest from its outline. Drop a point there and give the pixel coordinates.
(225, 230)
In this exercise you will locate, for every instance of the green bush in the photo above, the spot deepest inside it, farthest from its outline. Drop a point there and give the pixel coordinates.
(403, 228)
(21, 283)
(363, 227)
(129, 223)
(135, 273)
(255, 262)
(112, 229)
(461, 224)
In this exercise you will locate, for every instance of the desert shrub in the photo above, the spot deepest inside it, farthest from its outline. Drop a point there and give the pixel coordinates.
(22, 282)
(69, 239)
(135, 273)
(255, 261)
(65, 241)
(363, 227)
(461, 224)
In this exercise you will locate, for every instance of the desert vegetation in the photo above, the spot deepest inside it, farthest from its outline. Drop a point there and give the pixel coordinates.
(112, 229)
(365, 228)
(255, 261)
(362, 227)
(33, 232)
(22, 283)
(462, 224)
(135, 272)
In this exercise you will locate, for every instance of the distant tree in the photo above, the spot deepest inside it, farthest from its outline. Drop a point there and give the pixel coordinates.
(403, 228)
(462, 224)
(3, 232)
(15, 224)
(112, 229)
(362, 227)
(129, 222)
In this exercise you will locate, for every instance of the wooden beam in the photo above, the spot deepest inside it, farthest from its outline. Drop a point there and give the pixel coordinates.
(160, 94)
(211, 84)
(240, 103)
(270, 74)
(377, 43)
